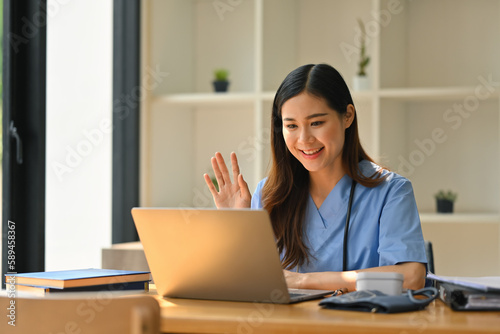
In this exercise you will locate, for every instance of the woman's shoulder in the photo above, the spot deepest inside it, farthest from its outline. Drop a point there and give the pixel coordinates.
(260, 185)
(257, 195)
(392, 186)
(369, 168)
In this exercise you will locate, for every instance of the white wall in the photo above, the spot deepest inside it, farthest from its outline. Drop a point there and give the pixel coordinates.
(79, 100)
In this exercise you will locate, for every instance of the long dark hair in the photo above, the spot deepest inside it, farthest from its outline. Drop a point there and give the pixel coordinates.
(286, 190)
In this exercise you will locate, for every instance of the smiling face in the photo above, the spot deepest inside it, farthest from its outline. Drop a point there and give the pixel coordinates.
(314, 133)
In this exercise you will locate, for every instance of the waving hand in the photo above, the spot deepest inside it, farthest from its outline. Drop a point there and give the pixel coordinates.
(231, 194)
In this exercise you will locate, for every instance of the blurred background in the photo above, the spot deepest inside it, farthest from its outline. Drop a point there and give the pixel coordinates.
(428, 107)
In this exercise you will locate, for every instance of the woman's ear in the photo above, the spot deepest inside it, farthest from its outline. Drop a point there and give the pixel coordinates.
(349, 115)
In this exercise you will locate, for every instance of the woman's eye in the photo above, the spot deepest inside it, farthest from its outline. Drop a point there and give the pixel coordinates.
(290, 126)
(317, 123)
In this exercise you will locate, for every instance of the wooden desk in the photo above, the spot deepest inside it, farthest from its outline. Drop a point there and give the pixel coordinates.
(199, 316)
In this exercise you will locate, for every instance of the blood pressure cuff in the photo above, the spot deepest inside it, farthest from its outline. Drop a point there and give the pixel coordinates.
(376, 301)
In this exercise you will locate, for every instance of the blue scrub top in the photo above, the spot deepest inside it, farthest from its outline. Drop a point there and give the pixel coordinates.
(384, 228)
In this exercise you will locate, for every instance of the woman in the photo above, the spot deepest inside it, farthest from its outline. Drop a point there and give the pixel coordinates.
(317, 162)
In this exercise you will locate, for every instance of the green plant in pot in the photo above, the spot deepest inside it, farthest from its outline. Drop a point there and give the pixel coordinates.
(445, 201)
(364, 59)
(221, 82)
(361, 80)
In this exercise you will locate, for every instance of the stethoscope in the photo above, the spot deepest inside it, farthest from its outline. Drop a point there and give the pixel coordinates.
(346, 228)
(430, 292)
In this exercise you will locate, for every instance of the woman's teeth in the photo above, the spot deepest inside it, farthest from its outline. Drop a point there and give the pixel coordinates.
(311, 152)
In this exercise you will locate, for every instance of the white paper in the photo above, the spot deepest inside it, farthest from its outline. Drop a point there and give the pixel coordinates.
(484, 283)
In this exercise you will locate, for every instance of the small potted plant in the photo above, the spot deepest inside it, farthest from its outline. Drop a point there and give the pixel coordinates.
(221, 82)
(361, 80)
(445, 200)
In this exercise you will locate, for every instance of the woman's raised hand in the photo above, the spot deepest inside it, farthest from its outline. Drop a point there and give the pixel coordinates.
(233, 194)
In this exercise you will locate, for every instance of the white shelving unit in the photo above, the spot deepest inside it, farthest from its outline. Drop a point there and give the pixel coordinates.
(428, 57)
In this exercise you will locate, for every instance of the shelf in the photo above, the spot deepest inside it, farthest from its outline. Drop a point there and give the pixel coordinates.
(400, 94)
(440, 43)
(356, 95)
(459, 218)
(437, 93)
(199, 99)
(429, 59)
(268, 96)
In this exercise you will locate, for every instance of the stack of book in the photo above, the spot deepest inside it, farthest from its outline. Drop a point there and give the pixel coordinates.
(78, 280)
(469, 293)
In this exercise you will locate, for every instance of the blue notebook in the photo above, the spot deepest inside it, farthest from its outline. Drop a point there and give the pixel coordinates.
(43, 290)
(77, 278)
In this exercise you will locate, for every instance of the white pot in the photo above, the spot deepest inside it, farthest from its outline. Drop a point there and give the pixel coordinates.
(361, 82)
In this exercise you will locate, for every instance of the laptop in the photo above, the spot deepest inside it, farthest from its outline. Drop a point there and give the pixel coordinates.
(212, 254)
